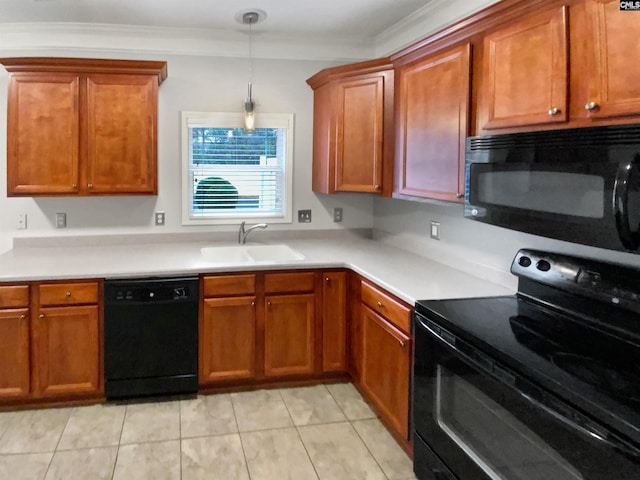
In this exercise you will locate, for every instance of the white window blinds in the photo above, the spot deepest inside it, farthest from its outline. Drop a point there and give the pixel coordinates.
(232, 174)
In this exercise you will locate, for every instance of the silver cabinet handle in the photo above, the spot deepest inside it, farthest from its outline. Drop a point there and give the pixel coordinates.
(554, 111)
(591, 106)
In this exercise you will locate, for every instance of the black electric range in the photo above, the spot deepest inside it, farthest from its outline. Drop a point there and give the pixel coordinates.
(559, 363)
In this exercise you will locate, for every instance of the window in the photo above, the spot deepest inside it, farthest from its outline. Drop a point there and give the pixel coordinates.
(229, 174)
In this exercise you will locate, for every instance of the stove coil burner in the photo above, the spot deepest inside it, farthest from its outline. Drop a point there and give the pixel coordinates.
(615, 381)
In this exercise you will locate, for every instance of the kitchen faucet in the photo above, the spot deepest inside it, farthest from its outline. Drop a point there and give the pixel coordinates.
(243, 233)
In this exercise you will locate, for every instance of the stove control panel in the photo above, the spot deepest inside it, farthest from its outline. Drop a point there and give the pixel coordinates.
(614, 284)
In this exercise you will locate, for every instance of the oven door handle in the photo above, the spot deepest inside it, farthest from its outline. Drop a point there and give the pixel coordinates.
(585, 430)
(630, 239)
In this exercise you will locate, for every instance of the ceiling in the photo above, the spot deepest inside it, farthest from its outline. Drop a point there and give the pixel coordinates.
(355, 19)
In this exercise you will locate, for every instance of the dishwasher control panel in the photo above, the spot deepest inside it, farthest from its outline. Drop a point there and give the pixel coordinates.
(151, 291)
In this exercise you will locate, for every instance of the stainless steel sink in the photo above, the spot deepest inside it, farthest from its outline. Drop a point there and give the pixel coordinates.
(250, 253)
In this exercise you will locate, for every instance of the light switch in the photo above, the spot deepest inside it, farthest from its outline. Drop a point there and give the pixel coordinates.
(435, 230)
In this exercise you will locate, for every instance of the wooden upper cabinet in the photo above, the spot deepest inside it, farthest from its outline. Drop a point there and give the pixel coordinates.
(121, 133)
(432, 124)
(42, 134)
(353, 128)
(82, 126)
(614, 89)
(360, 120)
(526, 72)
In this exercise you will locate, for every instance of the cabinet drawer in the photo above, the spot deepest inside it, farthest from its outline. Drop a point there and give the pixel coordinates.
(289, 282)
(229, 285)
(68, 293)
(14, 296)
(386, 306)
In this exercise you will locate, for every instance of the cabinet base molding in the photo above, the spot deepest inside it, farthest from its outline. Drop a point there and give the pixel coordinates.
(256, 384)
(13, 405)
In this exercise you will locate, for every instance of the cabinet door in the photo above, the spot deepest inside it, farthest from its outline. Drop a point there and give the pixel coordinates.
(227, 339)
(614, 89)
(360, 118)
(525, 72)
(42, 134)
(385, 368)
(334, 322)
(121, 134)
(67, 358)
(289, 334)
(14, 353)
(433, 113)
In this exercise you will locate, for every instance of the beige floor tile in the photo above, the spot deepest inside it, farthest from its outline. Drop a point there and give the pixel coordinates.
(148, 422)
(207, 415)
(35, 431)
(93, 463)
(338, 453)
(395, 463)
(29, 466)
(277, 455)
(350, 401)
(94, 426)
(216, 457)
(311, 405)
(5, 420)
(260, 410)
(145, 461)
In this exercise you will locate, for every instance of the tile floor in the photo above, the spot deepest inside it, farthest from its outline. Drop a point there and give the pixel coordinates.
(319, 432)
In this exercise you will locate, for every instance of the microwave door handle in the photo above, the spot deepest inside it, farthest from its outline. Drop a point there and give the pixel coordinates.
(630, 239)
(584, 429)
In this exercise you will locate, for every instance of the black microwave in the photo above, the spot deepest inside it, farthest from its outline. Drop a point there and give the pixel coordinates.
(578, 185)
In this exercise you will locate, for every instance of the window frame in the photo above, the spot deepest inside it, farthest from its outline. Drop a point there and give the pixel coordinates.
(236, 120)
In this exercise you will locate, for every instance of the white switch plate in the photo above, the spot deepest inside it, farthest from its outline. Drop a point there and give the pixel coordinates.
(435, 230)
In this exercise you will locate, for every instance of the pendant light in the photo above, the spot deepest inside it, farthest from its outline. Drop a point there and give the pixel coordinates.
(250, 18)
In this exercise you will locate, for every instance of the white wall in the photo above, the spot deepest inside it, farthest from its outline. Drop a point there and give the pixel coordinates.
(194, 83)
(480, 249)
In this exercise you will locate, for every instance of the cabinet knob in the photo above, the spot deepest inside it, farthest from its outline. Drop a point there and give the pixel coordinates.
(554, 111)
(327, 279)
(269, 304)
(253, 303)
(402, 344)
(23, 316)
(41, 315)
(90, 186)
(591, 106)
(379, 304)
(68, 294)
(377, 187)
(74, 186)
(459, 195)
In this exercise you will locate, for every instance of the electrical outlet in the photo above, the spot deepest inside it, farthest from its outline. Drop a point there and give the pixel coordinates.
(159, 219)
(22, 221)
(61, 220)
(435, 230)
(304, 216)
(337, 214)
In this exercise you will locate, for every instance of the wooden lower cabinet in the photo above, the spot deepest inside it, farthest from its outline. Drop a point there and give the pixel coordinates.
(227, 339)
(14, 353)
(386, 362)
(334, 321)
(67, 354)
(289, 331)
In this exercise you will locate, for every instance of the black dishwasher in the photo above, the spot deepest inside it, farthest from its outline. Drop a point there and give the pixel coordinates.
(150, 337)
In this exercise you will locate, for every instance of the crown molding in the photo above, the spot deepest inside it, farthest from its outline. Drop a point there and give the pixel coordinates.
(82, 37)
(430, 18)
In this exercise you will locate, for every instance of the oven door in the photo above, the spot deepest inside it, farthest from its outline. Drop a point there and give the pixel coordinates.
(483, 421)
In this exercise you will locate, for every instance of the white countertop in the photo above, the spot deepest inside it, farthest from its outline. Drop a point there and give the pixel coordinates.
(408, 276)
